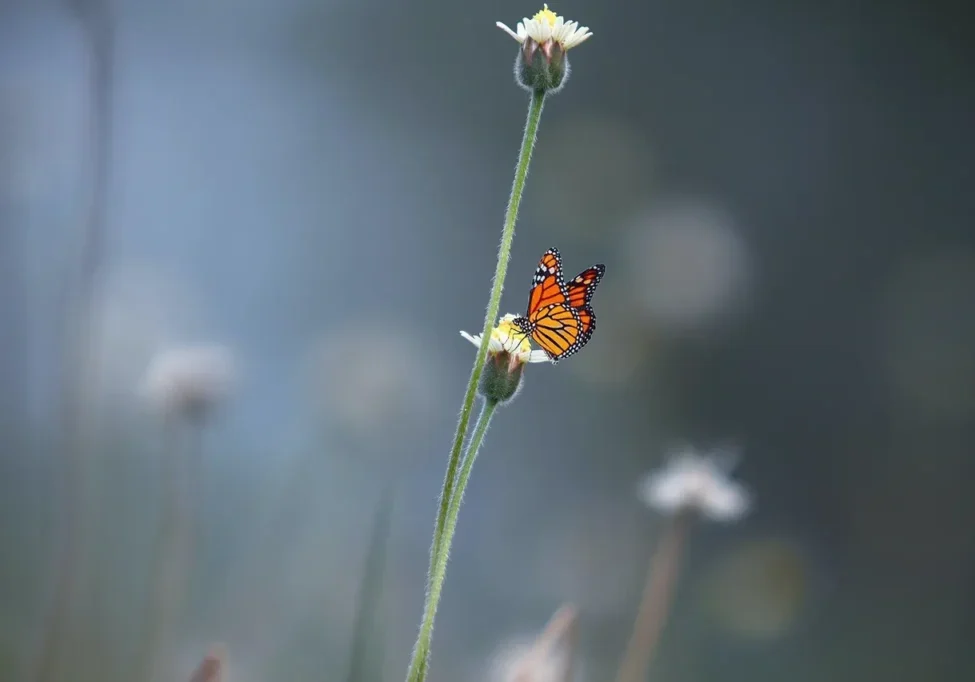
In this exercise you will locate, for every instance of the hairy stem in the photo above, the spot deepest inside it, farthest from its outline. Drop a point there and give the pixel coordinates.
(421, 652)
(438, 552)
(494, 304)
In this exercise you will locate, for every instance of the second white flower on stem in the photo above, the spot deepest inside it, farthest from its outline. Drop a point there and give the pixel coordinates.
(509, 350)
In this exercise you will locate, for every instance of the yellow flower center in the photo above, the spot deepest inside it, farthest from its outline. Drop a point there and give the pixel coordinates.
(546, 14)
(510, 337)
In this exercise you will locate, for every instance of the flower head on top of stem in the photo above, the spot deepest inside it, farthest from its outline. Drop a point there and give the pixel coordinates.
(508, 352)
(189, 381)
(692, 481)
(542, 62)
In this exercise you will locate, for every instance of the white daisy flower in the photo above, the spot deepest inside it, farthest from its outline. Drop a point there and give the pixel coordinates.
(507, 338)
(189, 380)
(699, 482)
(508, 352)
(545, 26)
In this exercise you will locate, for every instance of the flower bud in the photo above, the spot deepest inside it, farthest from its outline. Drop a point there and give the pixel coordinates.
(501, 378)
(542, 66)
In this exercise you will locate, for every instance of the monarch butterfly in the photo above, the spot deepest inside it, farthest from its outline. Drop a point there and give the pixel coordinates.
(560, 318)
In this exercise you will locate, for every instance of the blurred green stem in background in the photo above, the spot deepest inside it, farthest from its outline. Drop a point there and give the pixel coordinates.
(421, 652)
(441, 538)
(366, 656)
(58, 642)
(658, 593)
(173, 560)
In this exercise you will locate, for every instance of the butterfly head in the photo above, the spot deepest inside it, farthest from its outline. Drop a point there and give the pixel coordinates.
(521, 325)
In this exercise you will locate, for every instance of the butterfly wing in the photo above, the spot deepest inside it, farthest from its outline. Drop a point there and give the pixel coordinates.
(560, 318)
(548, 285)
(580, 290)
(579, 294)
(557, 329)
(587, 322)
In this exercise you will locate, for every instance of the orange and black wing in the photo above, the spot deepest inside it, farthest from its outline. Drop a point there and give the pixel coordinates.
(579, 293)
(580, 290)
(587, 321)
(548, 285)
(558, 330)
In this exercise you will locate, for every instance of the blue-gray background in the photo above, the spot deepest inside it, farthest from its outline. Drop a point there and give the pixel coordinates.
(780, 192)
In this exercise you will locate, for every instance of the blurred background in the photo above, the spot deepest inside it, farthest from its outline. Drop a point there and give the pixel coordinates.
(780, 193)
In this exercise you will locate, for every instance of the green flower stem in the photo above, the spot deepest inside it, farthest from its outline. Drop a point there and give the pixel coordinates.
(494, 304)
(480, 428)
(439, 550)
(421, 652)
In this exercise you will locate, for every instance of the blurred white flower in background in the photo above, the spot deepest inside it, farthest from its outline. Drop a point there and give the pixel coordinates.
(517, 661)
(686, 263)
(696, 482)
(189, 381)
(548, 657)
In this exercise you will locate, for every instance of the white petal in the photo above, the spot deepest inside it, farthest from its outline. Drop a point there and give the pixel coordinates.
(511, 33)
(538, 356)
(563, 30)
(539, 30)
(546, 29)
(476, 339)
(578, 37)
